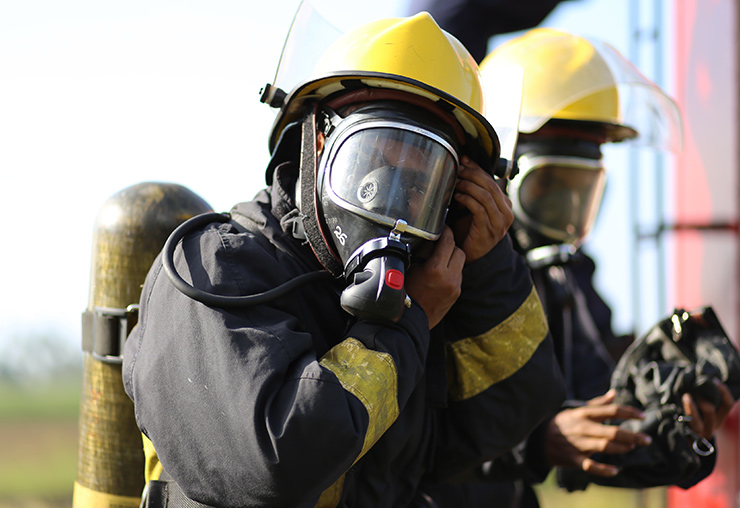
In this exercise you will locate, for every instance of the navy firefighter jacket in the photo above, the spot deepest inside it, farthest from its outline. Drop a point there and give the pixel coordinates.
(295, 403)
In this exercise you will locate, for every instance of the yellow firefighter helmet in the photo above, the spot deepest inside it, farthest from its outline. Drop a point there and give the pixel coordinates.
(412, 55)
(568, 77)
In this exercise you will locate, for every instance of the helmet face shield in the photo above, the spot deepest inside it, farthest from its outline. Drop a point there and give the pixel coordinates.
(384, 170)
(558, 196)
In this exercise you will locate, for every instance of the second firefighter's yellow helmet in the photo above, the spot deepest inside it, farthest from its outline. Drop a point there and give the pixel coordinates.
(412, 55)
(568, 77)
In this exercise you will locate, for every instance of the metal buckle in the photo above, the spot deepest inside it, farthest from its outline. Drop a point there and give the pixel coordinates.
(105, 329)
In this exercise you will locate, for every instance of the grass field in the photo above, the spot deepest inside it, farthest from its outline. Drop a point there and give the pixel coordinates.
(600, 497)
(38, 443)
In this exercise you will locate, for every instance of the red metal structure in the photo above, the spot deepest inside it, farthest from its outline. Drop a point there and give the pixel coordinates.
(706, 200)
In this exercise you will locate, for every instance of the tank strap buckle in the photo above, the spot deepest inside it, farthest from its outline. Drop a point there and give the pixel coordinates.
(105, 329)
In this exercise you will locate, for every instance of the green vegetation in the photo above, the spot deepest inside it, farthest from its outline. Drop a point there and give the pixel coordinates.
(42, 401)
(599, 497)
(38, 439)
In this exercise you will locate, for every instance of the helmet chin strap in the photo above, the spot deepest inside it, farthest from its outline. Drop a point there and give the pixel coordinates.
(308, 199)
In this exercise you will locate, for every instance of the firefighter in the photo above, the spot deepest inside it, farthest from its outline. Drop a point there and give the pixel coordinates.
(578, 95)
(364, 321)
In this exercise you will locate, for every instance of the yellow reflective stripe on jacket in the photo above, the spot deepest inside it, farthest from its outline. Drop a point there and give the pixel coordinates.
(152, 466)
(331, 496)
(371, 376)
(476, 363)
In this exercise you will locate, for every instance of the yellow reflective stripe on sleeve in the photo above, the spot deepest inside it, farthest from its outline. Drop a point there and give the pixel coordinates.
(331, 496)
(371, 376)
(476, 363)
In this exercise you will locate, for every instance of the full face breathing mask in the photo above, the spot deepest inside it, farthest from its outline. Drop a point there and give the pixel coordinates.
(558, 194)
(385, 179)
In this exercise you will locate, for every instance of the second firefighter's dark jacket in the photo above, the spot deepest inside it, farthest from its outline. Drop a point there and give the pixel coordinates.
(296, 403)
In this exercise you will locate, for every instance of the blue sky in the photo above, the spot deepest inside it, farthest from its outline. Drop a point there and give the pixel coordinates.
(98, 96)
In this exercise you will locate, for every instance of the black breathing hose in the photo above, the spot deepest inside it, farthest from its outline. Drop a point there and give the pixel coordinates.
(214, 300)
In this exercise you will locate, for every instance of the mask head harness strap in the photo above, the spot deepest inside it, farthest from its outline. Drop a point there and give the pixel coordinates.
(309, 199)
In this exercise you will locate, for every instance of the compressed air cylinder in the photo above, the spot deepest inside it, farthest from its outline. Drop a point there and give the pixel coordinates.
(130, 230)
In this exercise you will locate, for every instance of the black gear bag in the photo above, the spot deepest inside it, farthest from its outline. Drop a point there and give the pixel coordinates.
(683, 353)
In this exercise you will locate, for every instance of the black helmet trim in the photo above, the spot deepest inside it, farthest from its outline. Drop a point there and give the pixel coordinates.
(599, 132)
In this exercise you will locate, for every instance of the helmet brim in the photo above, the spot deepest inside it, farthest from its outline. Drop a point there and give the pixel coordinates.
(298, 102)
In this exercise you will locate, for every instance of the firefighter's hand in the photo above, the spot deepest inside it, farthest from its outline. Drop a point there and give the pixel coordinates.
(490, 211)
(706, 418)
(435, 283)
(576, 434)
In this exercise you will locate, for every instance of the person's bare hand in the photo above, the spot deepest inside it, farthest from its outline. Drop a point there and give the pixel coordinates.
(490, 209)
(435, 284)
(705, 417)
(576, 434)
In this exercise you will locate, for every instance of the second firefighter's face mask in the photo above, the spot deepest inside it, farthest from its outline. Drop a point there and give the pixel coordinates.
(558, 197)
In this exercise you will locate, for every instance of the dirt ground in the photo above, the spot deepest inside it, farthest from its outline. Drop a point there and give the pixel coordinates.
(34, 439)
(38, 463)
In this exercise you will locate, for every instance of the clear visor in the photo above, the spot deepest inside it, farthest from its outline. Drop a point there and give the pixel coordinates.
(389, 172)
(559, 197)
(316, 25)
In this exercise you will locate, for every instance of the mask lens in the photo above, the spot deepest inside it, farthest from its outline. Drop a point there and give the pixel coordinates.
(385, 174)
(563, 200)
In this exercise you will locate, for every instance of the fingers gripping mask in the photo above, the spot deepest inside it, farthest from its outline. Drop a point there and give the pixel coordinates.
(385, 179)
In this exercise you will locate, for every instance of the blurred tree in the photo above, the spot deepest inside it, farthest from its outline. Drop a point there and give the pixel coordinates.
(34, 356)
